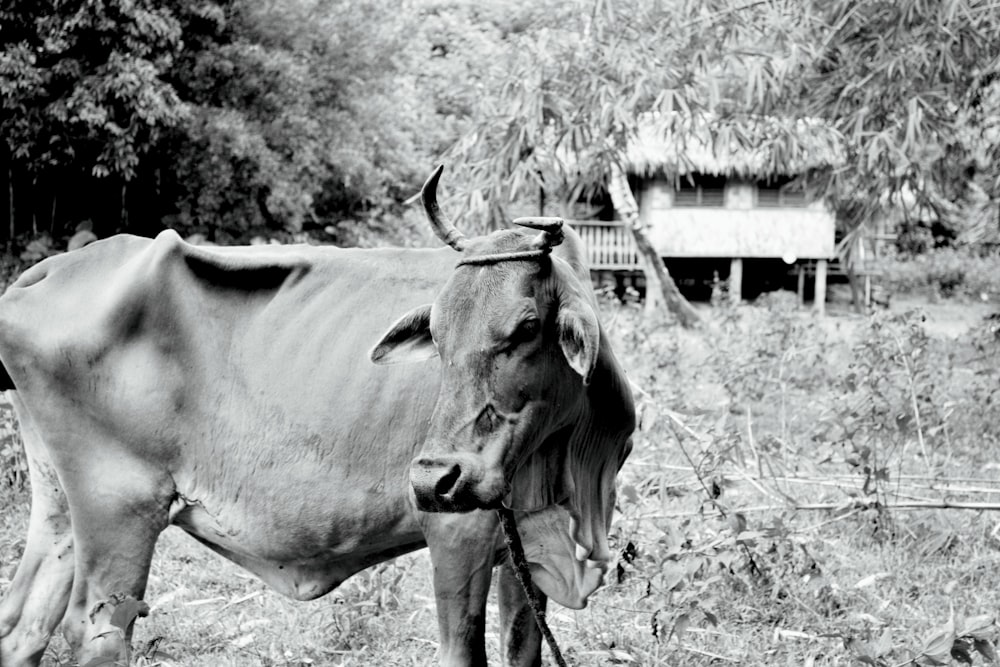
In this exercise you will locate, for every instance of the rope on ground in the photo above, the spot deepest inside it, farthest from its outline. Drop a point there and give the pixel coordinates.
(516, 551)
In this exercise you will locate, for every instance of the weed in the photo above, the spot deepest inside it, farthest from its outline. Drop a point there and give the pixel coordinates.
(946, 272)
(757, 523)
(13, 463)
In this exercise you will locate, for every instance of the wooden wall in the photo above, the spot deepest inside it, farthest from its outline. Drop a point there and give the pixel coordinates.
(737, 229)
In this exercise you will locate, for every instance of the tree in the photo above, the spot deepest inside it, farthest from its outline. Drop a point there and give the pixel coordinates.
(908, 84)
(306, 107)
(228, 117)
(81, 98)
(81, 84)
(576, 91)
(904, 82)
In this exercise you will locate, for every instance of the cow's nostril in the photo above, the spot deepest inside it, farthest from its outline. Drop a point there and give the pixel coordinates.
(447, 481)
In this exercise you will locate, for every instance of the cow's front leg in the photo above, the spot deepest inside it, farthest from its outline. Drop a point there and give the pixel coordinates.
(520, 638)
(119, 507)
(463, 551)
(36, 600)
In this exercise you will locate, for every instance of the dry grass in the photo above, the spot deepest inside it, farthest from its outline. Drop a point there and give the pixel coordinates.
(741, 424)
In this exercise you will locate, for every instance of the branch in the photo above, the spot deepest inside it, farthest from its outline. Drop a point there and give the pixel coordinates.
(722, 12)
(851, 507)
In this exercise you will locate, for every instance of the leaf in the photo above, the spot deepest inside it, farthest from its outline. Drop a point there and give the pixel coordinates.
(871, 579)
(99, 662)
(986, 649)
(629, 492)
(978, 627)
(681, 624)
(884, 643)
(749, 537)
(673, 574)
(862, 651)
(126, 612)
(620, 656)
(937, 647)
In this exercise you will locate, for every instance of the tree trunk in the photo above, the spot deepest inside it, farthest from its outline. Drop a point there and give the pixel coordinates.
(34, 207)
(628, 211)
(852, 280)
(10, 205)
(123, 220)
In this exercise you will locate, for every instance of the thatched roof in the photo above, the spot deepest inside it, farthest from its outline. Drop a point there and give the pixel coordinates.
(758, 148)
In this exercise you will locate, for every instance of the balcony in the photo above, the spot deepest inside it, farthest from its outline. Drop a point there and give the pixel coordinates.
(609, 244)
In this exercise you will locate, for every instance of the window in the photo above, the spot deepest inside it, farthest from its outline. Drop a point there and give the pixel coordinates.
(700, 190)
(779, 193)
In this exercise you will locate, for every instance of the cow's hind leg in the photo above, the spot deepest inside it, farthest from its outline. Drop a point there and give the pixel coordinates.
(119, 504)
(36, 600)
(520, 638)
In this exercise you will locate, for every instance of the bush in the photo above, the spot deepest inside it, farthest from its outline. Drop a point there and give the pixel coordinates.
(946, 272)
(13, 464)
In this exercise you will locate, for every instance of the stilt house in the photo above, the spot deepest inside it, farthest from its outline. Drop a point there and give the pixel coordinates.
(726, 198)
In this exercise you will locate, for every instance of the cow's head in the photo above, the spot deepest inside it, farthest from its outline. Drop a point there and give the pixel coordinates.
(519, 341)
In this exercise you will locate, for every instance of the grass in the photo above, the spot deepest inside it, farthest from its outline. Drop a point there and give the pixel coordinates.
(744, 424)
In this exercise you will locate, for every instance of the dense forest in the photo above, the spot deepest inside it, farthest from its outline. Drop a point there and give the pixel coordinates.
(318, 119)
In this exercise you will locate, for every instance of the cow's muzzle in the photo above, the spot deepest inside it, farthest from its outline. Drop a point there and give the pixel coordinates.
(455, 483)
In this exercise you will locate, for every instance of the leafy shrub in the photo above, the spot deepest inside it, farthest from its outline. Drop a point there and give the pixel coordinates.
(768, 358)
(13, 464)
(885, 399)
(970, 401)
(847, 409)
(946, 272)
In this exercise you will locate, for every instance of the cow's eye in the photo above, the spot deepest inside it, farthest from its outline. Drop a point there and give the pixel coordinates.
(525, 331)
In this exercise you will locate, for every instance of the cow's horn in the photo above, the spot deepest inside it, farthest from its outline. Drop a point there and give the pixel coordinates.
(443, 227)
(551, 228)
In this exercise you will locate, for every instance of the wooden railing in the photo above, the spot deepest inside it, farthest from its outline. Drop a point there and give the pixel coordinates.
(609, 244)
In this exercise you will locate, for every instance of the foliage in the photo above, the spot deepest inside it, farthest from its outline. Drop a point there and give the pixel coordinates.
(910, 86)
(752, 526)
(82, 84)
(907, 84)
(301, 114)
(227, 116)
(883, 402)
(256, 119)
(945, 272)
(778, 352)
(886, 400)
(13, 463)
(572, 98)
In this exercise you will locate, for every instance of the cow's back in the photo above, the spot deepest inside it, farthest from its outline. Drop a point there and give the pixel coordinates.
(243, 375)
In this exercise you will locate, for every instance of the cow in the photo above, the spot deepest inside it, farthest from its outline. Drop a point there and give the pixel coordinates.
(232, 392)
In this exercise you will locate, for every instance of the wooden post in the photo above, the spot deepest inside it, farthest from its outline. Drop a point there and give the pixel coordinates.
(800, 287)
(736, 279)
(819, 293)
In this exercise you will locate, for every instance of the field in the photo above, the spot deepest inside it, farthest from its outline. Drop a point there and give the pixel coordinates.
(802, 491)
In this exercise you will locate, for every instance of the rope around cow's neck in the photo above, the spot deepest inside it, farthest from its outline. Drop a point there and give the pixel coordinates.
(516, 551)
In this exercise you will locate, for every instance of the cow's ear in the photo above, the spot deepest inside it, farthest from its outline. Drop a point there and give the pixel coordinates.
(409, 339)
(579, 335)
